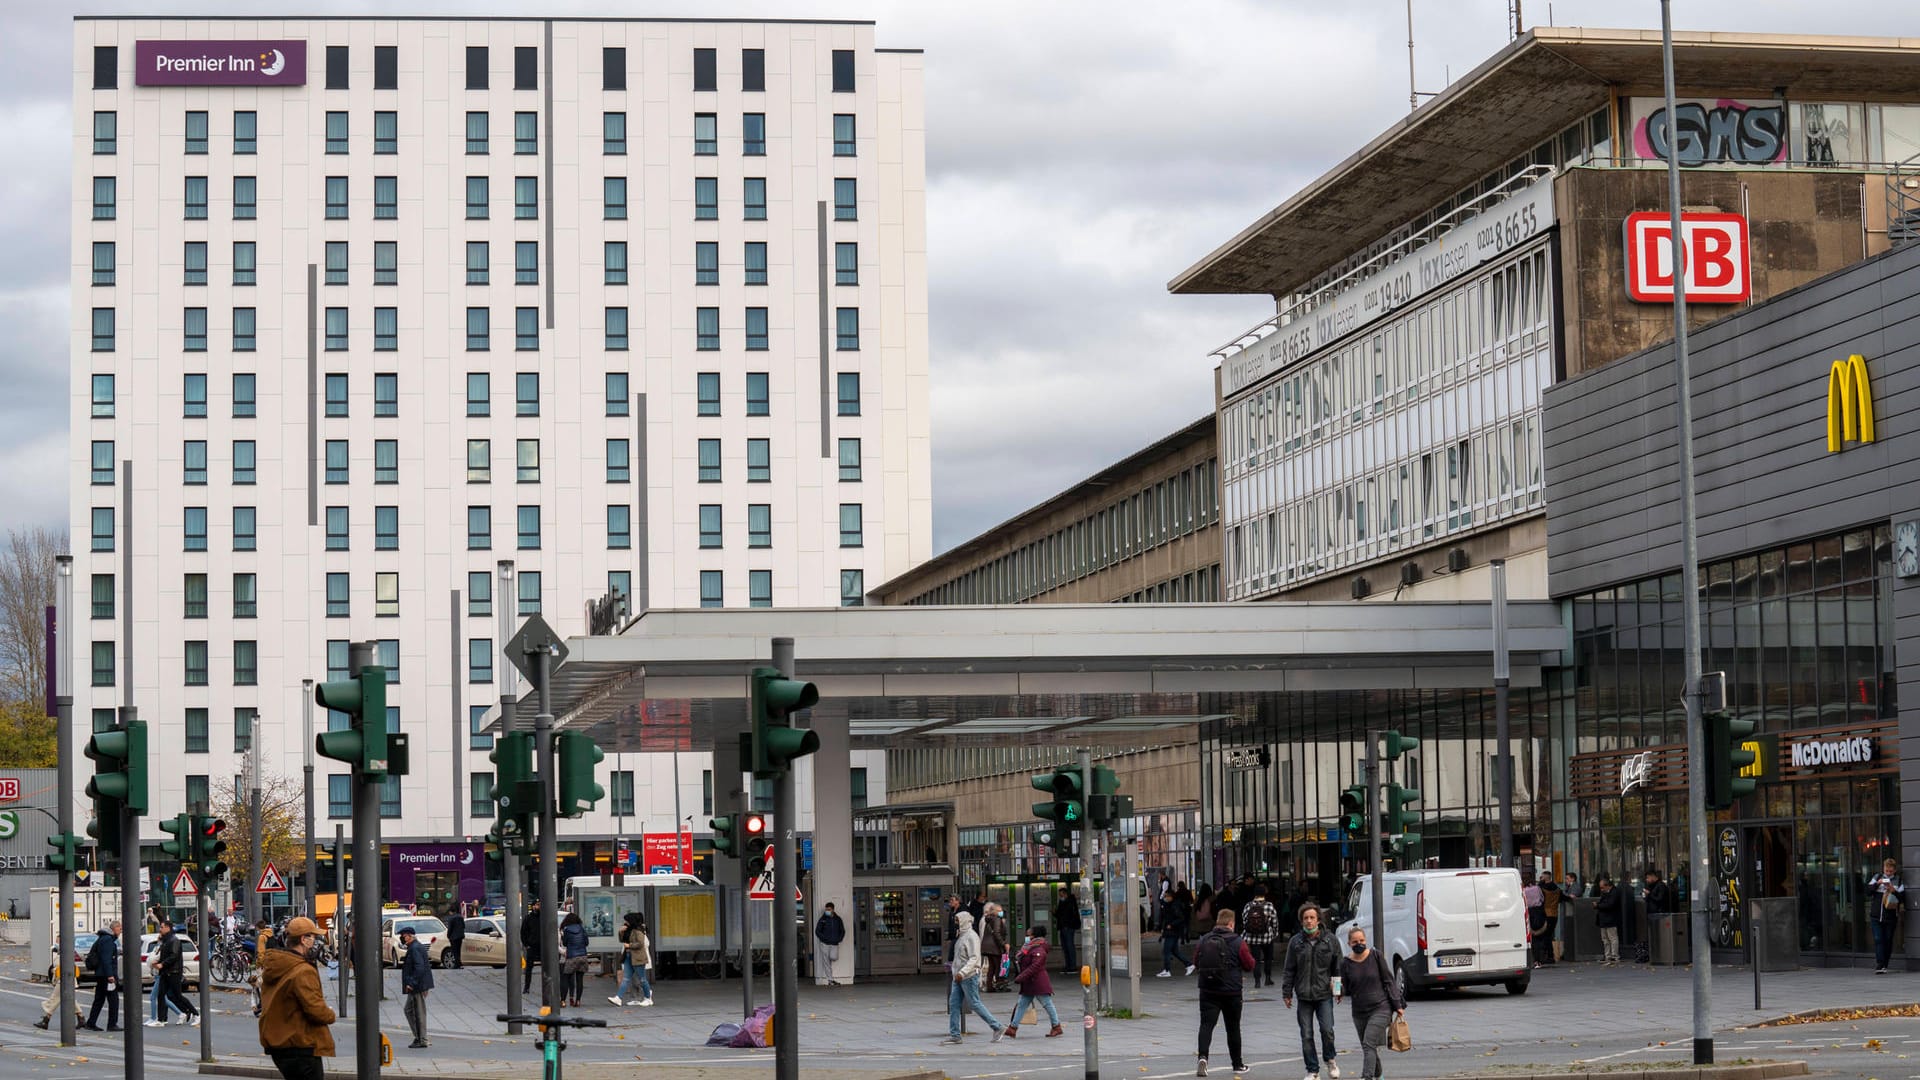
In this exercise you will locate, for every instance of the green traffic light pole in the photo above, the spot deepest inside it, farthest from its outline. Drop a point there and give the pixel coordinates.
(1370, 766)
(786, 968)
(366, 889)
(205, 882)
(510, 860)
(135, 1045)
(549, 846)
(1090, 1042)
(63, 717)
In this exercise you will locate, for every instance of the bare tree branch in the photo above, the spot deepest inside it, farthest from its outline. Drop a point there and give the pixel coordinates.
(26, 591)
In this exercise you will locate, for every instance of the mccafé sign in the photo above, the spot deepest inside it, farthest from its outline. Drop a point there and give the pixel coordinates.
(219, 63)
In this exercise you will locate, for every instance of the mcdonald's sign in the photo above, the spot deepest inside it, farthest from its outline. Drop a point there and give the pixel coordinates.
(1849, 403)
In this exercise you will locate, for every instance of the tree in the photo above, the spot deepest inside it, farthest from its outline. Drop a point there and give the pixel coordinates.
(26, 592)
(27, 736)
(283, 809)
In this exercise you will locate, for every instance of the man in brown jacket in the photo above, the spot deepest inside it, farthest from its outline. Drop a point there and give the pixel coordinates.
(293, 1010)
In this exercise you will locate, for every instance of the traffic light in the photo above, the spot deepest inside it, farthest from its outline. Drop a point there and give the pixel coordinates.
(209, 850)
(119, 779)
(1353, 810)
(66, 856)
(1400, 821)
(726, 836)
(1105, 806)
(1727, 757)
(1398, 744)
(180, 827)
(776, 742)
(363, 746)
(577, 755)
(1060, 840)
(756, 846)
(513, 784)
(1069, 797)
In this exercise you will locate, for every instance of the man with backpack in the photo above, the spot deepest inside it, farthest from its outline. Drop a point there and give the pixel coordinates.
(1262, 926)
(104, 961)
(1313, 959)
(1221, 957)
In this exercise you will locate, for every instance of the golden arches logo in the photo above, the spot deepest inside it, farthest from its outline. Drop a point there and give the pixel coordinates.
(1849, 403)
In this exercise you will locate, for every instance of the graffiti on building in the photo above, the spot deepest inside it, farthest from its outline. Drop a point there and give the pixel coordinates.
(1721, 132)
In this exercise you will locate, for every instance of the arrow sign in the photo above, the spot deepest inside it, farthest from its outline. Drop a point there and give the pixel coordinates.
(183, 885)
(534, 636)
(270, 881)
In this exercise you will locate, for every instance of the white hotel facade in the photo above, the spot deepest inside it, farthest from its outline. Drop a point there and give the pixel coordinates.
(637, 305)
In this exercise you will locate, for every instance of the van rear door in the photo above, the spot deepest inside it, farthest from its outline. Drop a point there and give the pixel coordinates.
(1450, 911)
(1502, 919)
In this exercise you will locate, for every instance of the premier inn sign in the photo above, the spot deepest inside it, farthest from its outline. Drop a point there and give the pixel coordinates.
(220, 63)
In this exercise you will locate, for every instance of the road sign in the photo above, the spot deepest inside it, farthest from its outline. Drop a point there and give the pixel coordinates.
(183, 885)
(270, 881)
(534, 634)
(762, 888)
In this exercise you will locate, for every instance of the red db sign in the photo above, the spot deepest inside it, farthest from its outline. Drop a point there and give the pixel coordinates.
(9, 788)
(1715, 258)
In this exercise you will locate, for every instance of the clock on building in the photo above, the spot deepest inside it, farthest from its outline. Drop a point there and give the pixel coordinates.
(1906, 549)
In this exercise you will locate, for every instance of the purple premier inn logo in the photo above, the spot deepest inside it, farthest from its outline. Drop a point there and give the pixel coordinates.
(220, 63)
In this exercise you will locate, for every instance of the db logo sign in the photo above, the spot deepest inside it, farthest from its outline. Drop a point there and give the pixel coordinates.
(1715, 260)
(9, 788)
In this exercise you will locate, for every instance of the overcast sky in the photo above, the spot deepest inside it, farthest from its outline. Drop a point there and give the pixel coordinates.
(1079, 156)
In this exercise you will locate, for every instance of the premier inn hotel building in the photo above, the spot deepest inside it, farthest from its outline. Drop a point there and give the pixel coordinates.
(1465, 365)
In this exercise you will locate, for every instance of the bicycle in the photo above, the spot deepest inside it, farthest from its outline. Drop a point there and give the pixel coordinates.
(551, 1046)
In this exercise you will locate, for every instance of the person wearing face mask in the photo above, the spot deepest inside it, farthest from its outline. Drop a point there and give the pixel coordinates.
(1376, 998)
(1312, 960)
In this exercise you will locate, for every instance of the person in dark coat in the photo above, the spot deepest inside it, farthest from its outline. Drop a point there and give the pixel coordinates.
(1608, 903)
(1066, 927)
(1036, 986)
(106, 978)
(1887, 895)
(456, 933)
(829, 931)
(1223, 960)
(416, 980)
(532, 949)
(1376, 996)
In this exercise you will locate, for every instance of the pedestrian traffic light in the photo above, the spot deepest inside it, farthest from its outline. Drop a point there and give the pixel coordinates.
(577, 756)
(513, 784)
(1398, 744)
(726, 835)
(66, 856)
(180, 827)
(1060, 840)
(119, 779)
(1400, 820)
(1353, 810)
(1105, 806)
(756, 846)
(1728, 753)
(776, 742)
(209, 849)
(363, 745)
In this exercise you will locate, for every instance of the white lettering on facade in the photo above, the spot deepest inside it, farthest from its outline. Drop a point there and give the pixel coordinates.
(205, 63)
(1813, 755)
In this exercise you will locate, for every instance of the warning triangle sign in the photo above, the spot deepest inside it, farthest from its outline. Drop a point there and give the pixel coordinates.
(184, 886)
(762, 887)
(270, 881)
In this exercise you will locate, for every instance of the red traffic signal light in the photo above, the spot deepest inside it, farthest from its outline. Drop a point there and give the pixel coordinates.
(756, 825)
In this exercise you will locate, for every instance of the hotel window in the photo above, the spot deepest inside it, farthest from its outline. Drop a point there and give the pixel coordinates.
(845, 199)
(618, 468)
(386, 337)
(386, 132)
(243, 329)
(479, 528)
(479, 593)
(246, 663)
(337, 462)
(103, 396)
(843, 71)
(849, 459)
(479, 461)
(390, 794)
(756, 262)
(754, 198)
(759, 525)
(386, 198)
(705, 69)
(615, 261)
(614, 198)
(526, 329)
(709, 461)
(706, 262)
(759, 461)
(336, 263)
(243, 262)
(753, 134)
(617, 402)
(843, 141)
(526, 262)
(103, 341)
(193, 393)
(849, 393)
(339, 796)
(753, 69)
(620, 582)
(616, 329)
(194, 458)
(706, 134)
(336, 67)
(390, 659)
(336, 329)
(706, 198)
(196, 196)
(613, 68)
(103, 198)
(106, 132)
(339, 596)
(756, 329)
(619, 527)
(613, 133)
(336, 133)
(245, 531)
(102, 529)
(246, 132)
(526, 458)
(337, 528)
(759, 588)
(853, 588)
(478, 333)
(336, 400)
(246, 596)
(526, 198)
(706, 328)
(846, 264)
(196, 731)
(336, 198)
(476, 262)
(476, 67)
(480, 803)
(386, 528)
(476, 133)
(244, 458)
(194, 261)
(711, 528)
(243, 395)
(386, 262)
(386, 67)
(194, 329)
(712, 588)
(478, 403)
(526, 133)
(245, 198)
(479, 660)
(243, 719)
(386, 461)
(476, 198)
(620, 789)
(196, 132)
(527, 528)
(103, 596)
(103, 461)
(526, 67)
(529, 586)
(757, 397)
(193, 588)
(196, 663)
(526, 394)
(386, 594)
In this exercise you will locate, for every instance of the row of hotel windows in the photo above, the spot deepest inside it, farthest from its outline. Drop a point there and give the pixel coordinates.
(526, 194)
(526, 68)
(1174, 507)
(197, 731)
(246, 663)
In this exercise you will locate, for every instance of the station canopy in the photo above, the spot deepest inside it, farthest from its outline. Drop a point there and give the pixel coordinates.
(1114, 675)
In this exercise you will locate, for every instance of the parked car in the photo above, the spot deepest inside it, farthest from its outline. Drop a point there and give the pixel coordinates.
(1447, 928)
(427, 928)
(485, 943)
(189, 965)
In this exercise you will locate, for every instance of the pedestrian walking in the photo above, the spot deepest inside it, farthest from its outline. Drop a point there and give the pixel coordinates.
(104, 961)
(170, 970)
(1222, 958)
(574, 959)
(829, 931)
(52, 1000)
(636, 960)
(293, 1009)
(1036, 986)
(1174, 919)
(993, 948)
(1889, 894)
(953, 925)
(977, 908)
(1066, 927)
(1365, 978)
(1308, 972)
(1607, 904)
(456, 935)
(1260, 925)
(1545, 944)
(416, 982)
(532, 950)
(964, 993)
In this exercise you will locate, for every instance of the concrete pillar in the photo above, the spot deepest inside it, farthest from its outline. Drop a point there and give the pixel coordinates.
(833, 837)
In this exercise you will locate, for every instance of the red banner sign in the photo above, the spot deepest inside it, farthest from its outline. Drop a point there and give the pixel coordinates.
(666, 849)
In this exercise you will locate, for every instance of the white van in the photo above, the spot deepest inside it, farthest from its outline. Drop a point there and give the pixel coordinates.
(1449, 928)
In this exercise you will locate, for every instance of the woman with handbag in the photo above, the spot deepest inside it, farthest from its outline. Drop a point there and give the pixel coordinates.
(1377, 1001)
(993, 948)
(573, 966)
(636, 960)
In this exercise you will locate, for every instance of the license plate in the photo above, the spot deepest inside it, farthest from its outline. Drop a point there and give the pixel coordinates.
(1454, 961)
